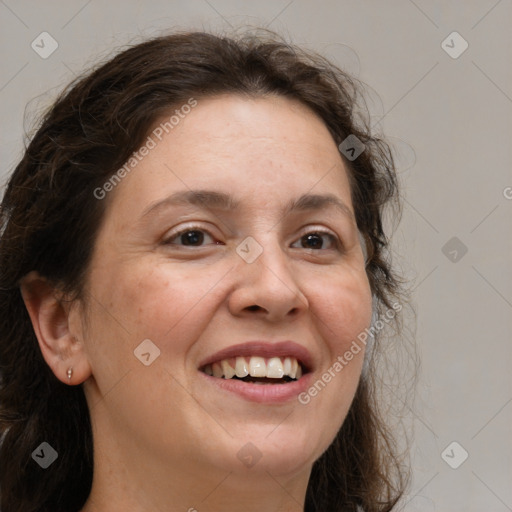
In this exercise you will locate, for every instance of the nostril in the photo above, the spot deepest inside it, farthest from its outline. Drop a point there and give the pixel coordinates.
(253, 308)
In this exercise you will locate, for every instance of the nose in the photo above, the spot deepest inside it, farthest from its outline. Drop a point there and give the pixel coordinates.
(267, 287)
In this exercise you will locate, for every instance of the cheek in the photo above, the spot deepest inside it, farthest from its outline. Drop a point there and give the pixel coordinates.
(341, 311)
(132, 303)
(344, 310)
(165, 304)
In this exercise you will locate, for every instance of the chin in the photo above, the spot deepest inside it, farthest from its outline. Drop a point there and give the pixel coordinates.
(279, 451)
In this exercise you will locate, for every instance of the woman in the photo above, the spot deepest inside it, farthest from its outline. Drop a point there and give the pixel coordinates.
(191, 253)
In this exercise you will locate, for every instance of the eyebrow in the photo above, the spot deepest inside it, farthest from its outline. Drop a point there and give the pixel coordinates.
(211, 199)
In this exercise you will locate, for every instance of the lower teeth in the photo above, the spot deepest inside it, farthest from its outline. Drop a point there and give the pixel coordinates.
(264, 380)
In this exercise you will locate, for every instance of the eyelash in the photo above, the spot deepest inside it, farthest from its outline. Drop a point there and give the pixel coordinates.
(334, 239)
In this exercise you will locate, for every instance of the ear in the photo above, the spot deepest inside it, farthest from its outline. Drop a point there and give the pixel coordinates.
(50, 317)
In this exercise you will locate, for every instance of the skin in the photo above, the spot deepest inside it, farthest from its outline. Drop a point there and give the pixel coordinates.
(165, 438)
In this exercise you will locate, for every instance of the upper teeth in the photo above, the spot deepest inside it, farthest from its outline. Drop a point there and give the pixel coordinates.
(272, 368)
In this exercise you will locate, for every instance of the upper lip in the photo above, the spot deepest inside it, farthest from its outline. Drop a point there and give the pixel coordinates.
(263, 349)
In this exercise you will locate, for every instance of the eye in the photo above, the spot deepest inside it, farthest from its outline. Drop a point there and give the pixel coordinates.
(191, 236)
(314, 240)
(195, 236)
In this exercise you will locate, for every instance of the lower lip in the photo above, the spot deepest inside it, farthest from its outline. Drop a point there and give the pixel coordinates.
(262, 393)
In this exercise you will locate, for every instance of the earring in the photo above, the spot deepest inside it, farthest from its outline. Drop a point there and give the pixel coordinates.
(70, 373)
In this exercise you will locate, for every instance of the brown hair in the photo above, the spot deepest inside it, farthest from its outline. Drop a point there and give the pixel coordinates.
(88, 134)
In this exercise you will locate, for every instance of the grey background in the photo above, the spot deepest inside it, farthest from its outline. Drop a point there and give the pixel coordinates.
(451, 124)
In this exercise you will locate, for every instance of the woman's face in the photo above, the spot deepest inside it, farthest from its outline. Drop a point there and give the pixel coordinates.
(258, 265)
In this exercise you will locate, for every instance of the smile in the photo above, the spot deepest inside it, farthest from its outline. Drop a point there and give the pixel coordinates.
(260, 371)
(256, 369)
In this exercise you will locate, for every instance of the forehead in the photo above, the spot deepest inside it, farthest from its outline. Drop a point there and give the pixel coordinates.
(271, 147)
(262, 121)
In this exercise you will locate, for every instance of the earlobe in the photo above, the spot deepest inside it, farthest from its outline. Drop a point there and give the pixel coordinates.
(50, 319)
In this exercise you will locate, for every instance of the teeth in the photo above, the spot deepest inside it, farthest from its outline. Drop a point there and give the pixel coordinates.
(273, 368)
(241, 368)
(295, 366)
(287, 366)
(217, 370)
(257, 367)
(227, 370)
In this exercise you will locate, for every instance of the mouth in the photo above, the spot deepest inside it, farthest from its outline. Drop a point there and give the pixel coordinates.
(260, 371)
(256, 369)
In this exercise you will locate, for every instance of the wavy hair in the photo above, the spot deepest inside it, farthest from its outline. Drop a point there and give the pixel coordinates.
(91, 130)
